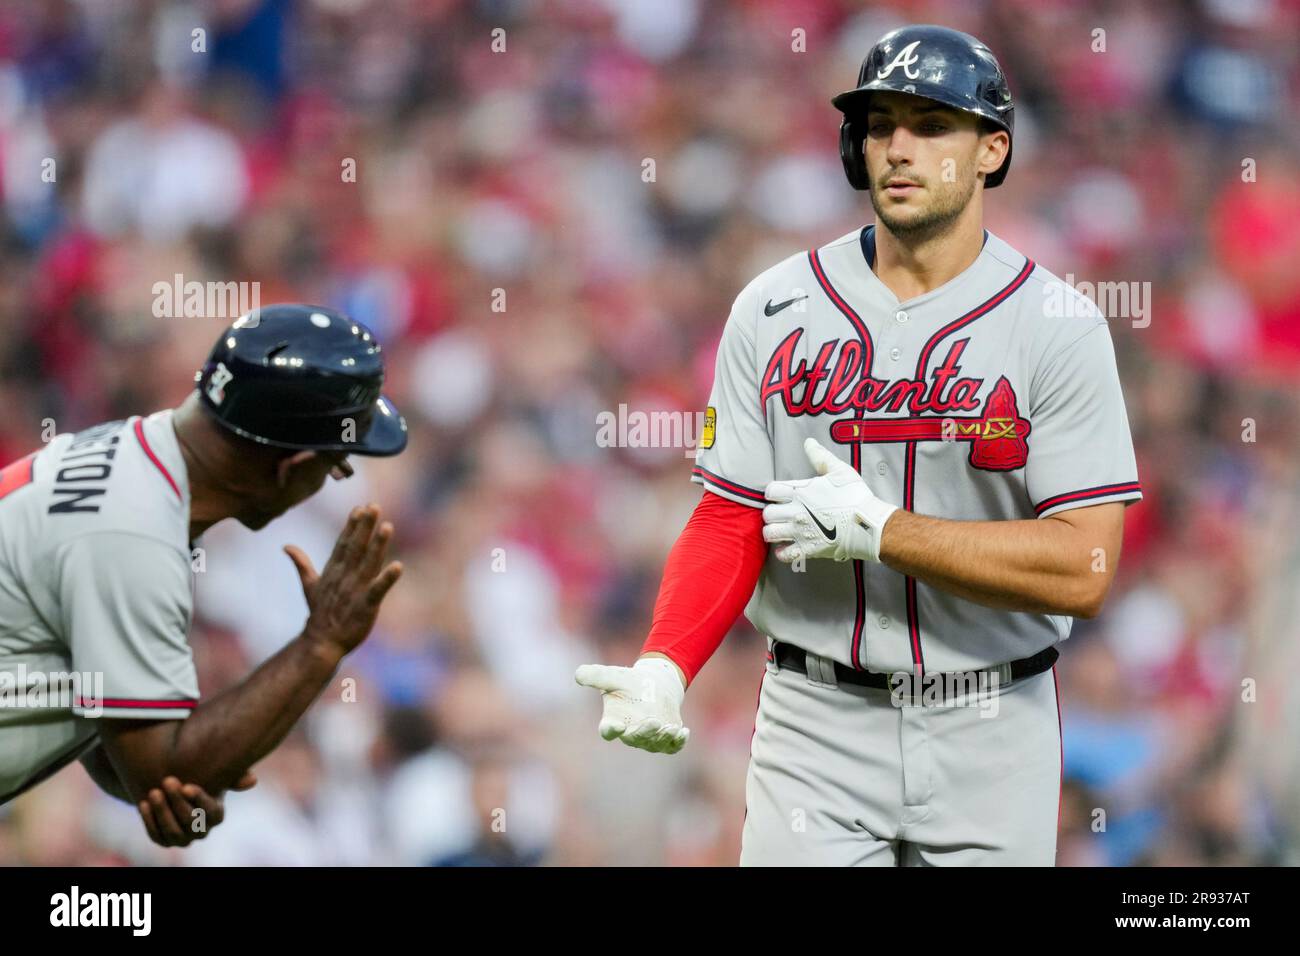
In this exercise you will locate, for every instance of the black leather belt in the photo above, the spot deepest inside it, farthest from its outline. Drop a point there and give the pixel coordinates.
(794, 658)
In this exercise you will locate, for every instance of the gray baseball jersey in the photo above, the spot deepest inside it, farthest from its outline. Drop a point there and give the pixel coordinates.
(95, 593)
(992, 397)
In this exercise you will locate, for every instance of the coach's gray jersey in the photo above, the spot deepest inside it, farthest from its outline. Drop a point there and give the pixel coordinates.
(992, 397)
(94, 581)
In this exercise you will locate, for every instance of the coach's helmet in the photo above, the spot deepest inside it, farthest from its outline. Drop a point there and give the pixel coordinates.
(940, 64)
(304, 377)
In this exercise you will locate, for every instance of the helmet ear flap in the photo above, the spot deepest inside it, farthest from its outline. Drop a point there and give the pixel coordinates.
(852, 133)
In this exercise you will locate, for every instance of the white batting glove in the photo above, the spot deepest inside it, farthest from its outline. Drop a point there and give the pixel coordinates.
(834, 515)
(643, 703)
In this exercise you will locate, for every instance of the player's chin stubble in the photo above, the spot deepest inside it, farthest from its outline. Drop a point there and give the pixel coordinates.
(946, 203)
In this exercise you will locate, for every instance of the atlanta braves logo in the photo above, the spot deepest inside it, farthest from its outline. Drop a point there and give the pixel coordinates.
(905, 58)
(997, 434)
(846, 388)
(221, 377)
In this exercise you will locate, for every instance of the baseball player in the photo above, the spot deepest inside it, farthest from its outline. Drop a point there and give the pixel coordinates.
(916, 464)
(95, 567)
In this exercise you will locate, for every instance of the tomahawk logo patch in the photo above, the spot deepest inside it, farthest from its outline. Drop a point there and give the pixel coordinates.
(998, 435)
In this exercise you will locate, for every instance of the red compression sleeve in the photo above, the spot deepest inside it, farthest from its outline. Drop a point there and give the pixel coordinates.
(708, 578)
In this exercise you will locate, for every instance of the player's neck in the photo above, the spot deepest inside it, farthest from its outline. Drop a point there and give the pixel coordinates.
(910, 267)
(208, 503)
(206, 508)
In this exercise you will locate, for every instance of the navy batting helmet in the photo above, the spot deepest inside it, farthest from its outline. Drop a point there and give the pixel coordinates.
(305, 377)
(944, 65)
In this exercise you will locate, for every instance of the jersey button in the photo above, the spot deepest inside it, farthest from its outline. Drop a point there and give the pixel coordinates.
(880, 468)
(901, 316)
(895, 353)
(884, 622)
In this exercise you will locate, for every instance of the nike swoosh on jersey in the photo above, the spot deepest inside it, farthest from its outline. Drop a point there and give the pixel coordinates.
(771, 309)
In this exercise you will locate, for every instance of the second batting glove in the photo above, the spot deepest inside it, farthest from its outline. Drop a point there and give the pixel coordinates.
(643, 703)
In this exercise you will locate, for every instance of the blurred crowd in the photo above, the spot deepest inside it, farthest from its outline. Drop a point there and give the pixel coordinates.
(544, 209)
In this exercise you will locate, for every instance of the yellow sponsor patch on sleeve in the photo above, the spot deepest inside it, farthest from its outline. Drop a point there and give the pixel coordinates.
(710, 427)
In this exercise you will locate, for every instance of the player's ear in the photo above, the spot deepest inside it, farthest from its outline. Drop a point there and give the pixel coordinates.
(285, 466)
(993, 149)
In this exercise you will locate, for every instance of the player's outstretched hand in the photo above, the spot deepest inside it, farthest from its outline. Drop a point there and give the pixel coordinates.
(344, 598)
(169, 812)
(643, 703)
(834, 515)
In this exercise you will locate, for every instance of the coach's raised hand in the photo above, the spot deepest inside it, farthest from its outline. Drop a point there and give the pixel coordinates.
(345, 597)
(234, 729)
(643, 703)
(833, 515)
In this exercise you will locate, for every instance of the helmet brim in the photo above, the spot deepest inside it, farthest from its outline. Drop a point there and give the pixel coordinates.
(387, 433)
(854, 103)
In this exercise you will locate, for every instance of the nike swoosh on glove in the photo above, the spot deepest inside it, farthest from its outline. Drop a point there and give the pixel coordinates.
(834, 515)
(643, 703)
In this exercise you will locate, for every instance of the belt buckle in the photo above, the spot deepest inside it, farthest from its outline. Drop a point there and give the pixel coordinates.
(895, 682)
